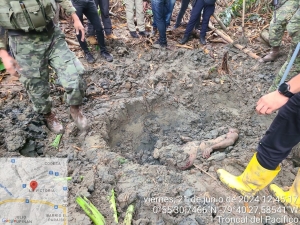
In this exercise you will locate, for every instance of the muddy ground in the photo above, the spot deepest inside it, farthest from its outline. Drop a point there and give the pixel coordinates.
(143, 109)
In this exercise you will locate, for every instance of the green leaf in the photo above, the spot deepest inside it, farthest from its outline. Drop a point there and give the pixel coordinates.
(1, 66)
(56, 141)
(112, 201)
(149, 12)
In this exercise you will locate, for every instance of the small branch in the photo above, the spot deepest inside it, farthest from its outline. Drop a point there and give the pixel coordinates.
(97, 146)
(71, 42)
(184, 46)
(77, 148)
(110, 11)
(229, 40)
(220, 22)
(198, 167)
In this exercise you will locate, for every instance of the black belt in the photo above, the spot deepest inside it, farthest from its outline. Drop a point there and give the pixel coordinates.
(49, 29)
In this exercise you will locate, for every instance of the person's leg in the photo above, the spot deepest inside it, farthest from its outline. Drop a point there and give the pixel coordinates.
(69, 71)
(29, 51)
(154, 23)
(276, 29)
(170, 7)
(80, 8)
(91, 13)
(90, 35)
(281, 137)
(283, 16)
(140, 17)
(293, 29)
(129, 4)
(195, 14)
(158, 8)
(35, 72)
(183, 8)
(276, 145)
(90, 29)
(104, 7)
(197, 25)
(207, 12)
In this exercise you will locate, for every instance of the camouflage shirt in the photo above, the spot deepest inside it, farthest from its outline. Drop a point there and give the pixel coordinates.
(65, 4)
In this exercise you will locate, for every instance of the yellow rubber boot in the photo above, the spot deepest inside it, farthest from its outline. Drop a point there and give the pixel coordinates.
(289, 198)
(252, 180)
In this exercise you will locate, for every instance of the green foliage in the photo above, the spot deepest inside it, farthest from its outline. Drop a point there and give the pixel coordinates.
(1, 66)
(90, 210)
(122, 160)
(212, 70)
(128, 216)
(112, 201)
(149, 12)
(56, 141)
(235, 10)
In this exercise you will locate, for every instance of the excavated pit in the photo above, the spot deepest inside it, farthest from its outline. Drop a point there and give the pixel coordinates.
(137, 136)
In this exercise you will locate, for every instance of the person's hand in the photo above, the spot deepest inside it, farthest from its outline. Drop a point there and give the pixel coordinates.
(10, 63)
(78, 26)
(270, 102)
(145, 5)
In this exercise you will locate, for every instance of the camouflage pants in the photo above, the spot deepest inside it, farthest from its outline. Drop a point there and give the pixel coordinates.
(283, 15)
(35, 52)
(293, 29)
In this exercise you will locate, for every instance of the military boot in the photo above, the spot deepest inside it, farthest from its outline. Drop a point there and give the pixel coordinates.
(111, 36)
(79, 119)
(271, 56)
(202, 40)
(184, 40)
(134, 34)
(144, 34)
(290, 198)
(53, 123)
(252, 180)
(89, 57)
(108, 57)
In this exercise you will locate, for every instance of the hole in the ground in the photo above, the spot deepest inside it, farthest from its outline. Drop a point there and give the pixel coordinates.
(136, 136)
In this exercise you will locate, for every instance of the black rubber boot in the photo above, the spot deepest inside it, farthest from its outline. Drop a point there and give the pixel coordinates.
(89, 58)
(184, 40)
(144, 34)
(202, 40)
(107, 56)
(134, 34)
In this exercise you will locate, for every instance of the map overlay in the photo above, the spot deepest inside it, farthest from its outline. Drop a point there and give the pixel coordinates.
(33, 191)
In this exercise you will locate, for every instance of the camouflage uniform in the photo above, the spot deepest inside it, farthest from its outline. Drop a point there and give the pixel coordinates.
(293, 28)
(283, 14)
(35, 51)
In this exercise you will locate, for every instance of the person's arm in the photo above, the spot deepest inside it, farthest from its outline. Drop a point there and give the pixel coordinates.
(71, 11)
(9, 63)
(274, 100)
(145, 5)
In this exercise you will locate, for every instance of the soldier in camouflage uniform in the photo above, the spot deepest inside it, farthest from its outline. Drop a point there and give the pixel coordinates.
(293, 28)
(35, 46)
(284, 13)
